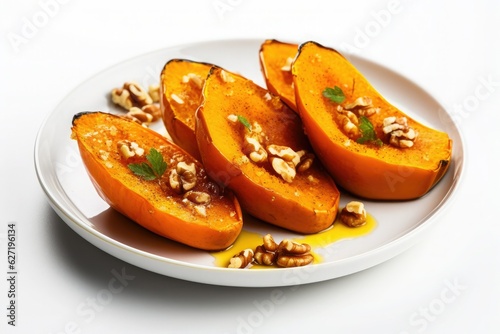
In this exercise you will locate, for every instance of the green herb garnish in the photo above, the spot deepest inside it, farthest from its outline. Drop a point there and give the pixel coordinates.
(245, 122)
(368, 134)
(155, 169)
(334, 94)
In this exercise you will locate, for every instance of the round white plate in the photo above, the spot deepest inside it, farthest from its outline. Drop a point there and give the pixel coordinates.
(71, 194)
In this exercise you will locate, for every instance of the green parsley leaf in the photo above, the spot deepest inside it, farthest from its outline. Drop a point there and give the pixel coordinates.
(143, 170)
(157, 163)
(155, 169)
(245, 122)
(334, 94)
(368, 134)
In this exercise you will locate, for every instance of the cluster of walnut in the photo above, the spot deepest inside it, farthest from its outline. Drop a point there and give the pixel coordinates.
(396, 128)
(286, 254)
(284, 160)
(349, 113)
(182, 179)
(400, 134)
(142, 105)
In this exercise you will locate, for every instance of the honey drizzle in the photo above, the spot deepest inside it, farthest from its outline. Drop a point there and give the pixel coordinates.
(337, 232)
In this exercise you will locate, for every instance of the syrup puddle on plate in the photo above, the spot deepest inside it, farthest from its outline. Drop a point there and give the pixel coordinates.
(337, 232)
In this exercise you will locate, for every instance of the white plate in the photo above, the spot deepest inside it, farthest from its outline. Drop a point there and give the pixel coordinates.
(71, 194)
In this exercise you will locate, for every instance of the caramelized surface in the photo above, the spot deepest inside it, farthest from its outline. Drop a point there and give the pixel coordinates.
(364, 169)
(309, 203)
(150, 203)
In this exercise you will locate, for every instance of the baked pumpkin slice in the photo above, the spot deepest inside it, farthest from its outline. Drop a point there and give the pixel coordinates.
(254, 144)
(152, 181)
(276, 59)
(181, 82)
(371, 148)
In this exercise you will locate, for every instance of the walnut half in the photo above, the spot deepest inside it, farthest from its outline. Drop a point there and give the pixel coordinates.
(183, 177)
(354, 214)
(242, 259)
(131, 95)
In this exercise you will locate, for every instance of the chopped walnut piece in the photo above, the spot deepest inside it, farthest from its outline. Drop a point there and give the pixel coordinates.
(269, 244)
(368, 111)
(348, 122)
(263, 256)
(288, 261)
(198, 197)
(154, 92)
(174, 181)
(254, 149)
(138, 115)
(306, 161)
(400, 134)
(252, 141)
(285, 153)
(354, 214)
(242, 259)
(183, 177)
(360, 102)
(129, 149)
(293, 247)
(104, 155)
(233, 118)
(196, 79)
(284, 169)
(187, 174)
(138, 94)
(176, 98)
(153, 110)
(287, 162)
(122, 98)
(201, 210)
(362, 106)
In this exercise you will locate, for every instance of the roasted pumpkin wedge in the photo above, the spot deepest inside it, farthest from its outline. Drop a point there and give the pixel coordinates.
(276, 59)
(155, 183)
(370, 147)
(180, 90)
(254, 144)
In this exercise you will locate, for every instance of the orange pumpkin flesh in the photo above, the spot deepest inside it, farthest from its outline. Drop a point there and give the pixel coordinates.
(309, 203)
(367, 170)
(157, 208)
(275, 63)
(180, 97)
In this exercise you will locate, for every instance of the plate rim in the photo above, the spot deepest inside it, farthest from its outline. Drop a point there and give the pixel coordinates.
(78, 225)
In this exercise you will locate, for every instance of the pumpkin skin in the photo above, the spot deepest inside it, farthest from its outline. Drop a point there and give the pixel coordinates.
(309, 203)
(179, 117)
(366, 170)
(157, 208)
(274, 59)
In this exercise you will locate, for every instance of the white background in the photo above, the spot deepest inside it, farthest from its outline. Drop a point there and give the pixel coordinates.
(447, 283)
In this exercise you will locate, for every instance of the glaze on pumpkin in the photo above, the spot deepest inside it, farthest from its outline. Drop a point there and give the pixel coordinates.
(377, 172)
